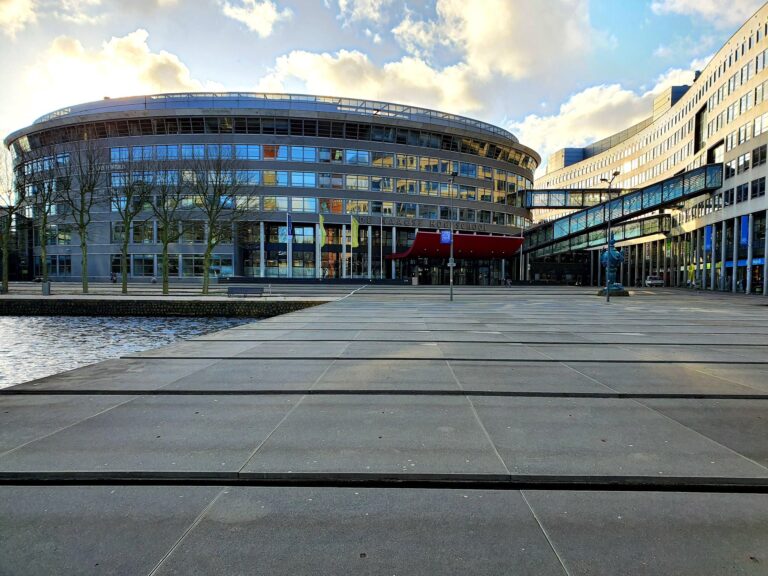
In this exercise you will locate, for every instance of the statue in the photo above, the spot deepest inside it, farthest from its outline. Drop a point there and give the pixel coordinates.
(612, 259)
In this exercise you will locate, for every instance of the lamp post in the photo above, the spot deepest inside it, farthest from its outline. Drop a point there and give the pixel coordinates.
(451, 263)
(608, 238)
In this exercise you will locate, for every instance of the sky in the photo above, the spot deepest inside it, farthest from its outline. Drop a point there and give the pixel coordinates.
(556, 73)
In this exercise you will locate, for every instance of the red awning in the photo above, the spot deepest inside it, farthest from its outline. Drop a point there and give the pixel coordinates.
(465, 247)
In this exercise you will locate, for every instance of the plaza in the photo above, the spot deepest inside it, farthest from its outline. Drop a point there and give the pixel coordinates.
(391, 431)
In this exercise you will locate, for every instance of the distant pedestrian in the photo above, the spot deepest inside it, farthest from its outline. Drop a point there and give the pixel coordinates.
(113, 278)
(154, 280)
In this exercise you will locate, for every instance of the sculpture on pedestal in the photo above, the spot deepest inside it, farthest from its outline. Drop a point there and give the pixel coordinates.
(612, 259)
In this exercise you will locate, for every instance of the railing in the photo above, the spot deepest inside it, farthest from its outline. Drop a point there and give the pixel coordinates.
(259, 100)
(669, 192)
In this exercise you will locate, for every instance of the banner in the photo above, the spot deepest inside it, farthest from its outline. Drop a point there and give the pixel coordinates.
(323, 238)
(354, 231)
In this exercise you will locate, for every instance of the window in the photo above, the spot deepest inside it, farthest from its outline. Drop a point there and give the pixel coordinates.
(303, 154)
(303, 179)
(334, 155)
(143, 264)
(743, 163)
(428, 211)
(193, 151)
(357, 157)
(758, 188)
(406, 209)
(357, 206)
(381, 184)
(742, 193)
(58, 234)
(275, 178)
(118, 154)
(275, 203)
(192, 265)
(141, 152)
(118, 179)
(250, 203)
(274, 152)
(192, 232)
(382, 159)
(303, 234)
(143, 233)
(220, 151)
(759, 155)
(331, 206)
(170, 152)
(303, 204)
(117, 233)
(248, 177)
(248, 152)
(354, 182)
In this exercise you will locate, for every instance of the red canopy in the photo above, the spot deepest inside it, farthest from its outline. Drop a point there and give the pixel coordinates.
(465, 246)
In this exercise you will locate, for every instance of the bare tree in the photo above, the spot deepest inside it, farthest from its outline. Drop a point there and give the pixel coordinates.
(79, 192)
(130, 194)
(216, 185)
(170, 193)
(12, 194)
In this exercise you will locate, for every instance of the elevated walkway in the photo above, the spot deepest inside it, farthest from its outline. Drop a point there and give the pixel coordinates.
(583, 228)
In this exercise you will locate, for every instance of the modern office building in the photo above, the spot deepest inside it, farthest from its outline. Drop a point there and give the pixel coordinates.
(397, 175)
(715, 239)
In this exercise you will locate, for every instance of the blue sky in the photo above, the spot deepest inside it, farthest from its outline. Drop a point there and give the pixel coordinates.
(555, 72)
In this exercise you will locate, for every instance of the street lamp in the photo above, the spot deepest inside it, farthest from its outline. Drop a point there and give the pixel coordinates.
(608, 239)
(451, 263)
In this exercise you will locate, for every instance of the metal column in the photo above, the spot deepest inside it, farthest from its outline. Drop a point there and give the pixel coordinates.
(370, 252)
(642, 264)
(318, 255)
(344, 251)
(289, 253)
(723, 247)
(765, 256)
(599, 271)
(735, 253)
(713, 235)
(394, 249)
(750, 232)
(262, 256)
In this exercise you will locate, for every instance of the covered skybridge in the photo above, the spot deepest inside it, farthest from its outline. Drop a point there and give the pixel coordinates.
(568, 198)
(587, 227)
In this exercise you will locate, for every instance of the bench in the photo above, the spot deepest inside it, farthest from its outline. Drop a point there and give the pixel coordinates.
(245, 291)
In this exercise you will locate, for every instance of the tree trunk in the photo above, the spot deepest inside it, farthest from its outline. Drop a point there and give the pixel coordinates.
(6, 249)
(164, 266)
(124, 264)
(206, 267)
(84, 271)
(43, 247)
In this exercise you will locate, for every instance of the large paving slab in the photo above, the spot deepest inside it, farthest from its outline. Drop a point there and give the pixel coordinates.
(655, 533)
(389, 374)
(602, 437)
(158, 433)
(94, 530)
(311, 531)
(379, 434)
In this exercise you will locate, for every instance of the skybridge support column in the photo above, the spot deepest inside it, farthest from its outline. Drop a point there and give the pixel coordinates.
(698, 275)
(642, 262)
(262, 255)
(591, 267)
(735, 254)
(713, 252)
(637, 262)
(344, 251)
(394, 249)
(765, 257)
(674, 261)
(370, 252)
(318, 254)
(599, 270)
(723, 256)
(750, 232)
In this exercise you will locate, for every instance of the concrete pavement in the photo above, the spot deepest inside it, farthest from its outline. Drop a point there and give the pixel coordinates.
(523, 430)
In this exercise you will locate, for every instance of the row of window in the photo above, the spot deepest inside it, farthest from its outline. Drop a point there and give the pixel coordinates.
(311, 154)
(502, 193)
(179, 265)
(741, 164)
(721, 199)
(282, 127)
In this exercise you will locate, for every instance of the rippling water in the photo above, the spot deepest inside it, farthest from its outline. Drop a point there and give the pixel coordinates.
(35, 346)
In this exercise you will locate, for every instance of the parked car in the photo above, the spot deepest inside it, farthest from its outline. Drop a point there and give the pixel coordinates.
(654, 281)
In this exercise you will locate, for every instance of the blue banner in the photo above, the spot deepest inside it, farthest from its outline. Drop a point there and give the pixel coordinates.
(289, 224)
(708, 239)
(445, 237)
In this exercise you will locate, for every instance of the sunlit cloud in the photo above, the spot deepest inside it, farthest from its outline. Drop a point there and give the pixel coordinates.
(719, 13)
(15, 15)
(259, 16)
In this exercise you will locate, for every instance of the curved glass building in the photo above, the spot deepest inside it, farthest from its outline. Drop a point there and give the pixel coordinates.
(379, 170)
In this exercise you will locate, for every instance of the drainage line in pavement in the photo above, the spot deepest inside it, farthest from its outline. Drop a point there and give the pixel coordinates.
(443, 358)
(379, 392)
(423, 481)
(499, 342)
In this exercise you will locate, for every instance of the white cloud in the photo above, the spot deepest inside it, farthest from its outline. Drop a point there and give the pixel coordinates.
(517, 39)
(722, 14)
(259, 16)
(354, 10)
(595, 113)
(351, 73)
(77, 11)
(15, 15)
(68, 73)
(374, 36)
